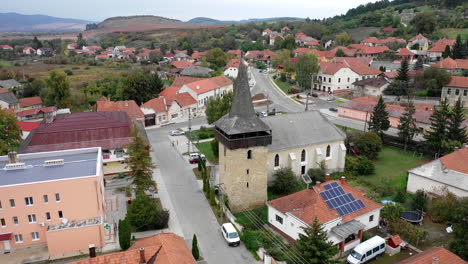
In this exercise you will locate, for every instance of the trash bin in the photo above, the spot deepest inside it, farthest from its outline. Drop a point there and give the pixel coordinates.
(121, 175)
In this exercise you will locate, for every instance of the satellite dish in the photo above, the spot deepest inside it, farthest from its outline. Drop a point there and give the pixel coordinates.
(306, 179)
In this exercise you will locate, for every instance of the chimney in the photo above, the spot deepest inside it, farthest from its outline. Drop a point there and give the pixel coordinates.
(142, 256)
(343, 180)
(327, 177)
(13, 156)
(92, 251)
(435, 260)
(317, 184)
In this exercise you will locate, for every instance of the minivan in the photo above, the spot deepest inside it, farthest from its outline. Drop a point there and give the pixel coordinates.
(367, 250)
(230, 234)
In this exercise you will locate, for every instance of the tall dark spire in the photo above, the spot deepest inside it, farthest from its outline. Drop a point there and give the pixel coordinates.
(242, 99)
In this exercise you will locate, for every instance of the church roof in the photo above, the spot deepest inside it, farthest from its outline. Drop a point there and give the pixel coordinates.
(242, 118)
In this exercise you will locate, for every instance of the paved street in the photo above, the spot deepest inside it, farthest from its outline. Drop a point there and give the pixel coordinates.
(188, 203)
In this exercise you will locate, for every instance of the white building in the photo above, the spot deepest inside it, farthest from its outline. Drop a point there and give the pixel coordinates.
(232, 68)
(343, 211)
(449, 173)
(205, 89)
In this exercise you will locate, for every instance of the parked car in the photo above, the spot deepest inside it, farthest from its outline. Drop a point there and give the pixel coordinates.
(367, 250)
(333, 109)
(230, 234)
(195, 157)
(177, 132)
(260, 71)
(264, 114)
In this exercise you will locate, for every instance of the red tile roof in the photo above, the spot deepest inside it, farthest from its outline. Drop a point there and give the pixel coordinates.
(198, 54)
(30, 101)
(347, 51)
(449, 63)
(183, 99)
(235, 52)
(312, 43)
(445, 42)
(438, 48)
(308, 204)
(129, 107)
(355, 64)
(300, 36)
(267, 30)
(4, 90)
(169, 91)
(82, 130)
(182, 80)
(182, 64)
(36, 111)
(372, 50)
(458, 81)
(389, 29)
(419, 36)
(233, 63)
(372, 40)
(159, 105)
(457, 160)
(127, 257)
(209, 84)
(28, 126)
(6, 47)
(404, 52)
(301, 51)
(393, 39)
(443, 255)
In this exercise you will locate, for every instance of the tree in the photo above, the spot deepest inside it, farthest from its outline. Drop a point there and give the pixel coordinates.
(155, 56)
(447, 52)
(140, 86)
(432, 80)
(195, 251)
(285, 182)
(403, 71)
(437, 133)
(318, 174)
(419, 200)
(125, 232)
(306, 68)
(343, 39)
(457, 52)
(142, 212)
(407, 126)
(369, 144)
(58, 89)
(379, 121)
(288, 43)
(217, 107)
(340, 53)
(458, 244)
(80, 40)
(424, 22)
(217, 57)
(283, 57)
(140, 163)
(391, 212)
(314, 245)
(397, 87)
(10, 132)
(456, 131)
(36, 44)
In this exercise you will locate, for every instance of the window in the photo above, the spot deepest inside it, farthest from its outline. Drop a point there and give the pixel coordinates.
(15, 220)
(29, 201)
(47, 216)
(465, 93)
(303, 155)
(277, 160)
(249, 154)
(32, 218)
(376, 249)
(457, 91)
(303, 169)
(46, 198)
(371, 218)
(348, 79)
(0, 204)
(369, 253)
(329, 80)
(12, 203)
(248, 171)
(382, 246)
(57, 197)
(279, 219)
(247, 184)
(35, 236)
(60, 214)
(449, 91)
(2, 221)
(328, 153)
(19, 238)
(119, 153)
(339, 80)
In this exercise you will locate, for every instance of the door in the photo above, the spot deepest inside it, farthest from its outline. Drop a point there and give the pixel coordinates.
(6, 245)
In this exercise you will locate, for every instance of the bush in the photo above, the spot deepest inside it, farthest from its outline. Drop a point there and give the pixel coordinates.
(441, 209)
(195, 251)
(274, 77)
(68, 72)
(408, 231)
(419, 201)
(400, 196)
(369, 144)
(359, 166)
(75, 68)
(143, 214)
(250, 240)
(285, 182)
(391, 212)
(87, 68)
(283, 77)
(124, 233)
(317, 174)
(162, 219)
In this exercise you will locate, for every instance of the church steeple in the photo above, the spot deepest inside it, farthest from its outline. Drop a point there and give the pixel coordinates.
(241, 102)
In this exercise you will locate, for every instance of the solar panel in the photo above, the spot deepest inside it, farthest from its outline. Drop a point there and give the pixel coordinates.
(361, 204)
(340, 212)
(334, 184)
(336, 198)
(340, 190)
(334, 203)
(324, 196)
(329, 204)
(352, 205)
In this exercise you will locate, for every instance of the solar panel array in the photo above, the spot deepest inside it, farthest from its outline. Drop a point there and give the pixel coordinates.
(336, 198)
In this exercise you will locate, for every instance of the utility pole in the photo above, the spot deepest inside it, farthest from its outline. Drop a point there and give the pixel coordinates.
(190, 131)
(307, 102)
(268, 103)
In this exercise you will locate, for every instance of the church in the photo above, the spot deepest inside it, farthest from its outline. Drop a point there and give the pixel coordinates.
(251, 149)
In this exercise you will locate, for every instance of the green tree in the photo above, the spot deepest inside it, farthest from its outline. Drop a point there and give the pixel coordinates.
(340, 53)
(379, 121)
(195, 251)
(314, 245)
(217, 107)
(283, 57)
(80, 40)
(407, 126)
(392, 212)
(36, 44)
(419, 64)
(10, 132)
(403, 71)
(437, 133)
(217, 57)
(125, 232)
(432, 80)
(457, 52)
(140, 87)
(37, 86)
(285, 182)
(343, 39)
(458, 244)
(58, 89)
(369, 144)
(424, 22)
(142, 212)
(212, 197)
(419, 200)
(446, 52)
(306, 68)
(456, 131)
(288, 43)
(318, 174)
(155, 56)
(140, 163)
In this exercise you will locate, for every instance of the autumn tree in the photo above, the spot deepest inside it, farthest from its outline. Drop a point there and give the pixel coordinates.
(58, 89)
(10, 132)
(306, 68)
(343, 39)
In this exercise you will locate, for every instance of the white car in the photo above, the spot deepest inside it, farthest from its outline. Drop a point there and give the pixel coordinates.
(177, 132)
(230, 234)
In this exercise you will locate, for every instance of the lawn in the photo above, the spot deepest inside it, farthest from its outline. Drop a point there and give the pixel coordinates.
(338, 101)
(200, 134)
(205, 148)
(198, 173)
(284, 86)
(5, 63)
(245, 219)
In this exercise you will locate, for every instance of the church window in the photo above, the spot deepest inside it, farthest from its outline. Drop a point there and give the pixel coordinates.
(249, 154)
(328, 151)
(303, 155)
(277, 160)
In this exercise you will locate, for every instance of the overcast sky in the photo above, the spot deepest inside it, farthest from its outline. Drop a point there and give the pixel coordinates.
(98, 10)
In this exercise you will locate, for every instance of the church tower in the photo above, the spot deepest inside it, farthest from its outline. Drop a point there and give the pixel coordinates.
(243, 148)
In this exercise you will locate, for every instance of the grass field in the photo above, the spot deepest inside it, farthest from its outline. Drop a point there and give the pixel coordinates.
(5, 63)
(205, 148)
(200, 134)
(453, 32)
(284, 86)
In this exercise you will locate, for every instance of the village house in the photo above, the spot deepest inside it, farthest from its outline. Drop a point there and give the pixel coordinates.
(371, 86)
(418, 42)
(274, 37)
(260, 55)
(29, 51)
(169, 108)
(37, 113)
(49, 197)
(371, 42)
(6, 47)
(92, 48)
(30, 103)
(371, 52)
(456, 66)
(343, 211)
(180, 65)
(196, 71)
(237, 53)
(72, 46)
(405, 53)
(232, 68)
(302, 38)
(435, 255)
(130, 107)
(205, 89)
(435, 53)
(9, 84)
(46, 52)
(181, 56)
(8, 100)
(266, 32)
(456, 89)
(449, 173)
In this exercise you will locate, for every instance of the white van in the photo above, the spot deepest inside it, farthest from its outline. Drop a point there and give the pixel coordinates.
(367, 250)
(230, 234)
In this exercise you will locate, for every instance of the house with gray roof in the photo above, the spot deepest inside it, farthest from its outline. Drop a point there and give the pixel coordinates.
(196, 71)
(8, 101)
(10, 84)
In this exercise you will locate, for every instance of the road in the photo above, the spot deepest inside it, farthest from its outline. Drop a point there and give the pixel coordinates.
(189, 204)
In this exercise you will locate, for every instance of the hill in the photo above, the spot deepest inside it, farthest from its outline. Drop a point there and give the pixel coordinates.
(14, 22)
(211, 21)
(116, 22)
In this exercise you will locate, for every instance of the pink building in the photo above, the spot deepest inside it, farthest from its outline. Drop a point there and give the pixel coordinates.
(54, 198)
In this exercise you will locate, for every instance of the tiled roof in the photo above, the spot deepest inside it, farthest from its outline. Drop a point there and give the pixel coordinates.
(129, 107)
(131, 256)
(182, 80)
(196, 71)
(300, 51)
(233, 63)
(388, 29)
(312, 43)
(209, 84)
(6, 47)
(449, 63)
(183, 99)
(348, 52)
(169, 91)
(372, 50)
(354, 64)
(374, 82)
(198, 54)
(182, 64)
(159, 105)
(28, 126)
(267, 30)
(235, 52)
(456, 161)
(404, 52)
(30, 101)
(458, 81)
(4, 90)
(308, 204)
(35, 111)
(373, 40)
(445, 42)
(427, 257)
(419, 36)
(9, 98)
(393, 39)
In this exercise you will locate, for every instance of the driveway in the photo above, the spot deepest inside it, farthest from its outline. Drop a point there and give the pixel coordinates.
(188, 203)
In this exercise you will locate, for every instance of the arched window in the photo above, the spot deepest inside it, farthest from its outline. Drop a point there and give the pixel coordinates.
(249, 154)
(328, 151)
(277, 160)
(303, 155)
